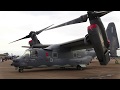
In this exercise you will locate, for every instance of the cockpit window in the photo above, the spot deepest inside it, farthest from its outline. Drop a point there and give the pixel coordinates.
(34, 53)
(26, 54)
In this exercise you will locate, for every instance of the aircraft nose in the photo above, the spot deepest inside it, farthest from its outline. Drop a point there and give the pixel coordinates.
(15, 63)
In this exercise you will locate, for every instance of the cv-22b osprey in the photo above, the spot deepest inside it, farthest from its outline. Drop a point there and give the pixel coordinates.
(76, 53)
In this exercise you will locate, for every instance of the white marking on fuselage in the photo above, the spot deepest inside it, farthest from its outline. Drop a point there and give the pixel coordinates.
(51, 60)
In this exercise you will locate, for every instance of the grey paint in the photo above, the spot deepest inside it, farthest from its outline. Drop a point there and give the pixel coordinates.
(62, 59)
(112, 36)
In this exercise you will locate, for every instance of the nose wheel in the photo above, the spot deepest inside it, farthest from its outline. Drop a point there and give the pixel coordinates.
(20, 70)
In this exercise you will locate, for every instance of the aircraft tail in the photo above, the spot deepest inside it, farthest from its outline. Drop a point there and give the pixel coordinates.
(112, 36)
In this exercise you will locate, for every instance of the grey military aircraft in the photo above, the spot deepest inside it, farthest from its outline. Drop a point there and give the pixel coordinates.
(76, 53)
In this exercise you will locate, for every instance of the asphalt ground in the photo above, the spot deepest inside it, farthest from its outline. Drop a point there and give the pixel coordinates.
(93, 71)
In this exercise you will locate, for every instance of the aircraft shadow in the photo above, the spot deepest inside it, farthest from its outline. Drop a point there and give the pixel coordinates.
(51, 69)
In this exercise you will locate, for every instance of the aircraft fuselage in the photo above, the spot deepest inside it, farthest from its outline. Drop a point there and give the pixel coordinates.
(38, 57)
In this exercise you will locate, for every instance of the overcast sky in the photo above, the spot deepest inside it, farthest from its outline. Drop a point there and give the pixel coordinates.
(17, 24)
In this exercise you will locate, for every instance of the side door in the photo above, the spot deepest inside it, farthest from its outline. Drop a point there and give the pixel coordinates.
(54, 59)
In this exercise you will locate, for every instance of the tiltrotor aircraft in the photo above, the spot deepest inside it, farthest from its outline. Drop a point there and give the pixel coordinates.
(76, 53)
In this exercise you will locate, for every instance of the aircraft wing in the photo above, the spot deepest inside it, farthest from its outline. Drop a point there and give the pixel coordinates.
(76, 44)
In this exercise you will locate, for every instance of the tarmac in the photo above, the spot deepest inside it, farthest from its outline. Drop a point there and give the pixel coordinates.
(93, 71)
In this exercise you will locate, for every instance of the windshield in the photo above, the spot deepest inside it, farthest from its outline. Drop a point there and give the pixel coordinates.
(26, 54)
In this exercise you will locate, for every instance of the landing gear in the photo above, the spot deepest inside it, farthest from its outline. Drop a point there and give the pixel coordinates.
(20, 70)
(79, 67)
(116, 62)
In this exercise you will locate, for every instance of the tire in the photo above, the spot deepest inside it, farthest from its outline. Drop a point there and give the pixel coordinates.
(79, 67)
(20, 70)
(116, 62)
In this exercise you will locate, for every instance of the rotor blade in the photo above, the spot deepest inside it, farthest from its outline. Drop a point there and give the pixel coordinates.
(26, 46)
(99, 13)
(102, 12)
(38, 32)
(81, 19)
(28, 36)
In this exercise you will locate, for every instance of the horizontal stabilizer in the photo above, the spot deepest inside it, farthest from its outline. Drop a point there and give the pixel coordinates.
(40, 46)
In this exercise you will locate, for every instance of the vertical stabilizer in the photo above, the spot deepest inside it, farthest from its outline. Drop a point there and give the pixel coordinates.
(112, 36)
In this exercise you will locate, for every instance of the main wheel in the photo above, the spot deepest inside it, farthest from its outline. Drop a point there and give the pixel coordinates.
(79, 67)
(116, 62)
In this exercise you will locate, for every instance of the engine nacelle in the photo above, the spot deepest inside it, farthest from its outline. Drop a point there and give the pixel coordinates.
(87, 40)
(97, 42)
(31, 43)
